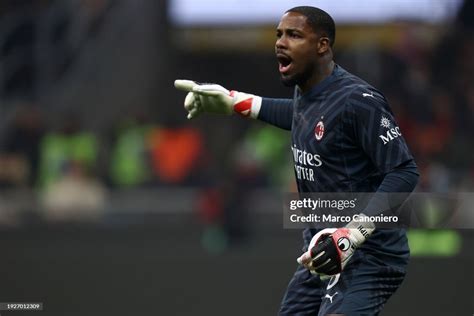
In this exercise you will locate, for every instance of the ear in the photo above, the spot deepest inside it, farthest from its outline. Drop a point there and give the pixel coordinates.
(323, 45)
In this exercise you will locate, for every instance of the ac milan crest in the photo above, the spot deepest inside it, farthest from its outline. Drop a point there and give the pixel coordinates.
(319, 130)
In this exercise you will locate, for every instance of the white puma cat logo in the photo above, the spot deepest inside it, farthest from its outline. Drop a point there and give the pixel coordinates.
(330, 297)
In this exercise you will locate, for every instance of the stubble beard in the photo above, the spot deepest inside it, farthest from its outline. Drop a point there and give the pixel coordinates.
(288, 81)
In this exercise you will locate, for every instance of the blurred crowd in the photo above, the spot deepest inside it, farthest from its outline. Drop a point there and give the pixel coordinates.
(429, 86)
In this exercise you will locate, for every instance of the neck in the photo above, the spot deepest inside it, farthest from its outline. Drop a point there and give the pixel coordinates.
(319, 75)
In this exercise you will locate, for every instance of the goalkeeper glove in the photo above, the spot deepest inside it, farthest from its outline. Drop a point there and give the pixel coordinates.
(331, 248)
(213, 98)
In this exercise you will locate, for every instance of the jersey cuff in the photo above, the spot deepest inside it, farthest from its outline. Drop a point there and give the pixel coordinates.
(256, 105)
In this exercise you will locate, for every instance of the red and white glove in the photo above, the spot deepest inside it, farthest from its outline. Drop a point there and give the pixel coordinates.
(213, 98)
(331, 248)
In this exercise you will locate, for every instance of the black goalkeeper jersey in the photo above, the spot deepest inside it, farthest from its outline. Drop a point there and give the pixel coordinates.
(344, 136)
(345, 139)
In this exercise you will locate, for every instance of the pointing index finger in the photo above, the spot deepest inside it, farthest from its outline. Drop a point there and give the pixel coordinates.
(184, 85)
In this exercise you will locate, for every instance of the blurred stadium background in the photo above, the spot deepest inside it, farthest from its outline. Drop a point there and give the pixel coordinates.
(112, 203)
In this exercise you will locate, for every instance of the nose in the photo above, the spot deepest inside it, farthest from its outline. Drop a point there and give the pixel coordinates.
(281, 43)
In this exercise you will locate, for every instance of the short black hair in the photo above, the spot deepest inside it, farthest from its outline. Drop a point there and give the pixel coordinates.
(319, 20)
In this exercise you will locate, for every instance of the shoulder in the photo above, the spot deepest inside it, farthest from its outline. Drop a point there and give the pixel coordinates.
(362, 99)
(364, 96)
(356, 89)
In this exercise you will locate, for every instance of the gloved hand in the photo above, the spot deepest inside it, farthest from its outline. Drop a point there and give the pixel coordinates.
(331, 248)
(213, 98)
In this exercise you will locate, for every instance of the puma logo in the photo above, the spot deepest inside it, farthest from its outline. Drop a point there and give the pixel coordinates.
(330, 296)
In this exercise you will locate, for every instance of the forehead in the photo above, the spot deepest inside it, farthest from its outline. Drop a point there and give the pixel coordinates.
(294, 20)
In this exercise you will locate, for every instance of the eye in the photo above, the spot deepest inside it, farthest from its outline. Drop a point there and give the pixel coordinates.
(294, 34)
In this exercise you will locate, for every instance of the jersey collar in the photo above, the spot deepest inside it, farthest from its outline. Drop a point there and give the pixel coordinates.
(317, 89)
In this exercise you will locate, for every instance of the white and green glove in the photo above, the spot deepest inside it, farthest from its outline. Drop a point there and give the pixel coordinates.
(213, 98)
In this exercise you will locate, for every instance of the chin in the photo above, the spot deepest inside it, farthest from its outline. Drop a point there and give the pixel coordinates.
(288, 81)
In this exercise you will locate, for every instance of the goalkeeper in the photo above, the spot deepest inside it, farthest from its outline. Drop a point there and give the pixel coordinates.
(350, 141)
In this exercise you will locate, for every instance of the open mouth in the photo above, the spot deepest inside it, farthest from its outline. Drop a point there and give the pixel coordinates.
(284, 63)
